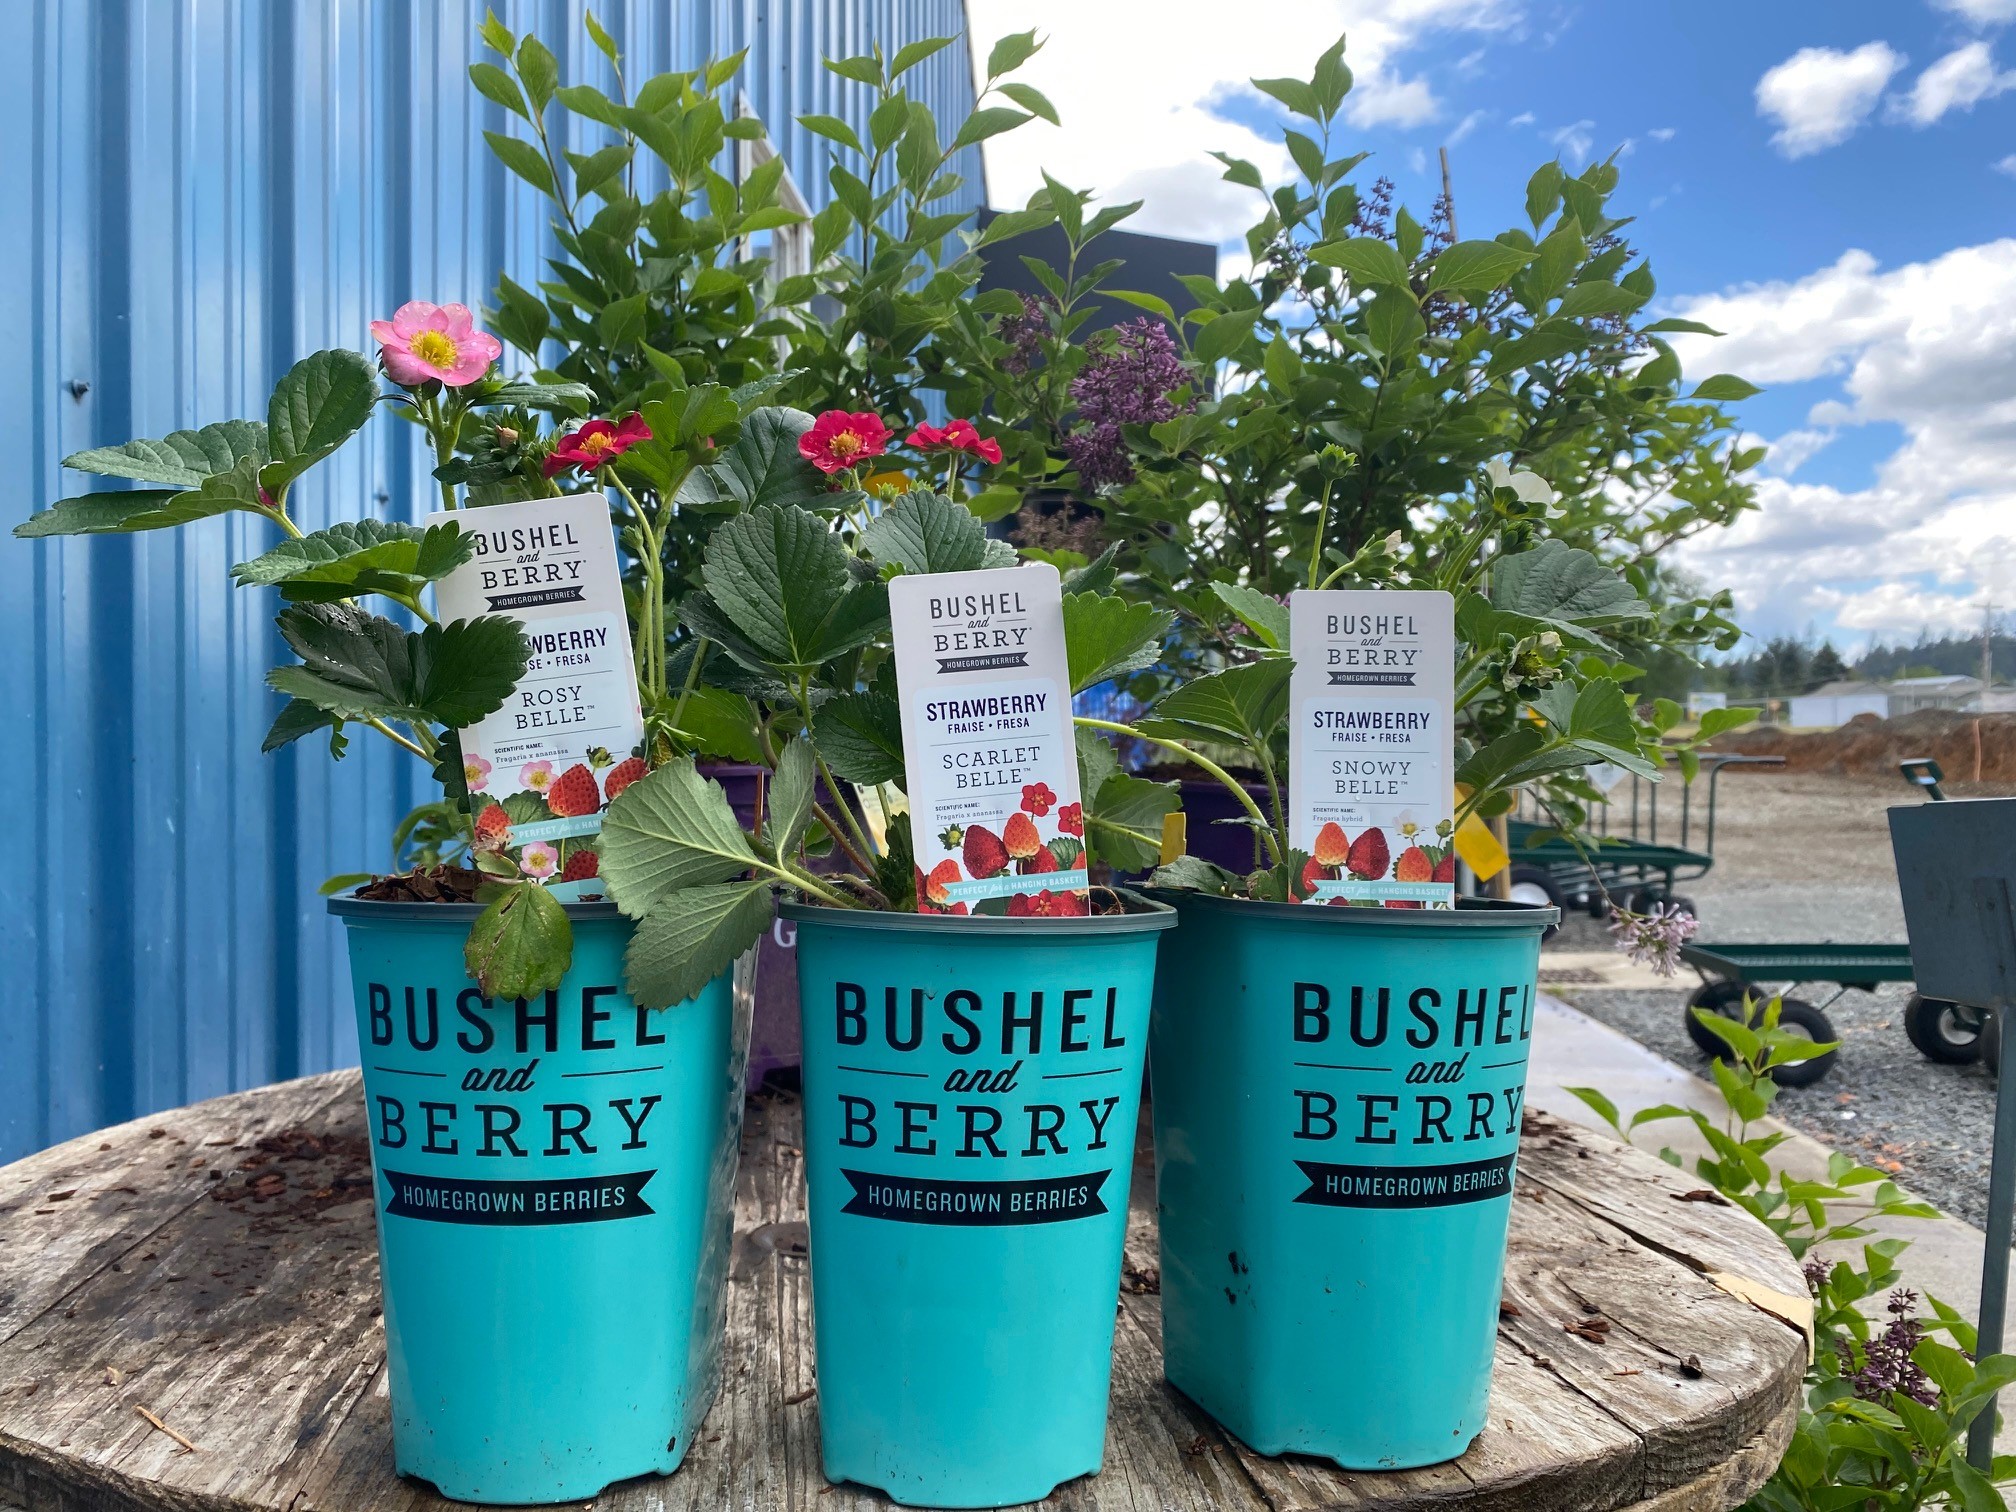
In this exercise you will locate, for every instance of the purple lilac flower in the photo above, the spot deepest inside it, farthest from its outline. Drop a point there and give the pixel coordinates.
(1024, 333)
(1653, 938)
(1126, 382)
(1887, 1365)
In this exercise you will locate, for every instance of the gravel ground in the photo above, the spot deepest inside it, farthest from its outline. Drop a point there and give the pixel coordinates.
(1807, 857)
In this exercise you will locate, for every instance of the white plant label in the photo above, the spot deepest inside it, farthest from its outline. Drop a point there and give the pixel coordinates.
(991, 768)
(574, 717)
(1370, 760)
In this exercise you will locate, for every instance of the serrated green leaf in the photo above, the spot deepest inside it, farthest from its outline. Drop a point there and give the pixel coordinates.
(321, 402)
(297, 717)
(860, 736)
(1106, 635)
(558, 398)
(363, 666)
(1241, 705)
(181, 459)
(465, 670)
(1123, 820)
(764, 465)
(791, 794)
(101, 514)
(926, 532)
(1263, 614)
(361, 556)
(781, 576)
(671, 829)
(521, 945)
(691, 937)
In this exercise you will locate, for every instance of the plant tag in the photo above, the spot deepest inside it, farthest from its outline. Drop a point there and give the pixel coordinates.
(991, 768)
(551, 565)
(1371, 724)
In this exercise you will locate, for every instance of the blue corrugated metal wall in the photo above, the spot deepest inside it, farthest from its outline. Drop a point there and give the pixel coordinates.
(200, 192)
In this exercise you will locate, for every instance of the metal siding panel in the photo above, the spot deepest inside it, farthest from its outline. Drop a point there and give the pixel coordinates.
(215, 188)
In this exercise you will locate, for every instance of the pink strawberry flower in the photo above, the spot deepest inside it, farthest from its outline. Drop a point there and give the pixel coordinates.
(536, 777)
(539, 860)
(475, 773)
(424, 343)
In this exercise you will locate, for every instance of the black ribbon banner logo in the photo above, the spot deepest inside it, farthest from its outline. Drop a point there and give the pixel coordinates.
(970, 1204)
(574, 1199)
(533, 597)
(1371, 679)
(1359, 1186)
(991, 662)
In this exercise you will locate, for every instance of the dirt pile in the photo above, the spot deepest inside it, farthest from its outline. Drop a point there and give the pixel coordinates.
(1867, 746)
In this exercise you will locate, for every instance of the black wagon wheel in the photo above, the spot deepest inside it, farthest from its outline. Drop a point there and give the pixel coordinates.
(1795, 1015)
(1942, 1030)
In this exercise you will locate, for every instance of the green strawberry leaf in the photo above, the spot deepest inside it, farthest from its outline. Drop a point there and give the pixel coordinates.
(791, 795)
(182, 458)
(522, 944)
(927, 532)
(321, 402)
(1264, 615)
(1123, 822)
(670, 830)
(466, 670)
(764, 465)
(1105, 635)
(361, 556)
(861, 736)
(782, 577)
(1240, 706)
(692, 936)
(363, 666)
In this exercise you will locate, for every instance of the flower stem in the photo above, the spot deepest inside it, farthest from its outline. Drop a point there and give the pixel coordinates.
(397, 739)
(1211, 767)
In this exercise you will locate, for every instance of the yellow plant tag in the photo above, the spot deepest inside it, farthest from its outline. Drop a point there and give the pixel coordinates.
(1175, 837)
(1477, 845)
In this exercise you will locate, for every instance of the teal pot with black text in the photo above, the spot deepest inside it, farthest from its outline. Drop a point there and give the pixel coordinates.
(555, 1181)
(1337, 1099)
(971, 1090)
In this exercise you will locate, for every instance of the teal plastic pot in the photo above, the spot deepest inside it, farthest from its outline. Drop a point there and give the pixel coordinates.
(555, 1181)
(971, 1091)
(1337, 1102)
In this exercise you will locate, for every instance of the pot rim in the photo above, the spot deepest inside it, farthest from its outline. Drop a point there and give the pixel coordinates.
(1498, 914)
(1159, 916)
(345, 906)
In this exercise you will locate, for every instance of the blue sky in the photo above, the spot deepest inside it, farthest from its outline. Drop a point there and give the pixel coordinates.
(1818, 178)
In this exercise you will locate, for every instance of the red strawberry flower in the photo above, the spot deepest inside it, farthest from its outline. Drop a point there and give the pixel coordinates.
(1071, 819)
(1037, 798)
(839, 440)
(595, 443)
(956, 436)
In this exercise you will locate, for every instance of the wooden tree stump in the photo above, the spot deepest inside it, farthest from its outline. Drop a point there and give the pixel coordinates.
(209, 1277)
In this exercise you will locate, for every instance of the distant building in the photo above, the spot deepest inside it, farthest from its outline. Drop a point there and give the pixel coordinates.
(1910, 694)
(1699, 703)
(1833, 704)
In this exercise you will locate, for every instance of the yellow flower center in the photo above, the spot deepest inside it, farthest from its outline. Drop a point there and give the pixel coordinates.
(435, 348)
(846, 443)
(598, 443)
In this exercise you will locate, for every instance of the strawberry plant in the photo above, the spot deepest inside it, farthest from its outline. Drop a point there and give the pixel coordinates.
(1539, 688)
(788, 634)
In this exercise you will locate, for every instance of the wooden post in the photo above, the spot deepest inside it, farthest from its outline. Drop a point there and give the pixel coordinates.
(1501, 885)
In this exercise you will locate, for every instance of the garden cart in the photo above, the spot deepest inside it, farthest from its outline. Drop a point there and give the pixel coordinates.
(1623, 859)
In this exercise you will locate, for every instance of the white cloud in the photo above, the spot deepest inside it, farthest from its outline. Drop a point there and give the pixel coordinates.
(1819, 96)
(1142, 104)
(2005, 165)
(1661, 133)
(1464, 127)
(1929, 348)
(1959, 81)
(1794, 450)
(1524, 118)
(1575, 141)
(1981, 12)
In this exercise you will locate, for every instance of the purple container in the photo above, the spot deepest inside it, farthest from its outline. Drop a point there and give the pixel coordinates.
(1232, 846)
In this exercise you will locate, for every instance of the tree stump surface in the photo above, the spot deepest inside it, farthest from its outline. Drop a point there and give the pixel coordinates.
(212, 1273)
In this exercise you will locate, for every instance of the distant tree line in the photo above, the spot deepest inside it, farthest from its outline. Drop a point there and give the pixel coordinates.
(1787, 665)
